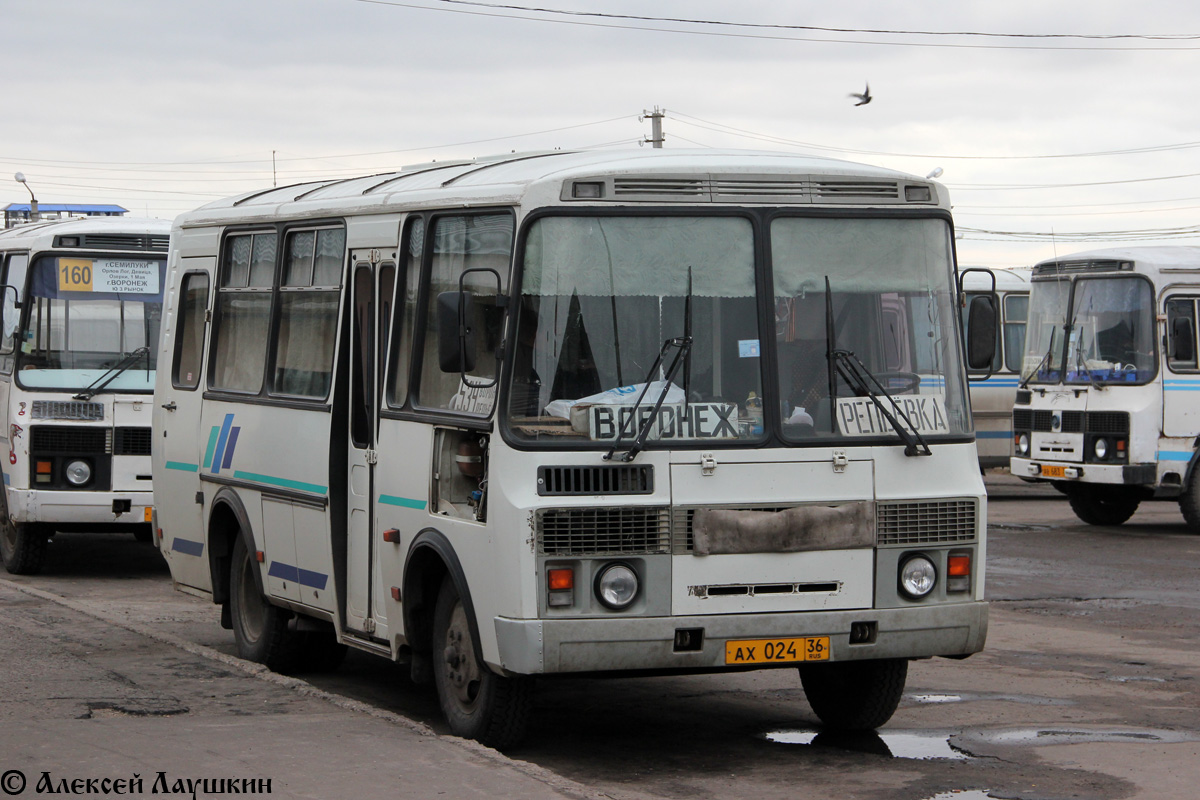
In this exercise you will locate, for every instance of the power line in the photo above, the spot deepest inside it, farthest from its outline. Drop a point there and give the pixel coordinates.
(730, 34)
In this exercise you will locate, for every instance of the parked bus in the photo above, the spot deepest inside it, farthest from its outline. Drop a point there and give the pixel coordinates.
(1106, 409)
(993, 390)
(81, 313)
(564, 413)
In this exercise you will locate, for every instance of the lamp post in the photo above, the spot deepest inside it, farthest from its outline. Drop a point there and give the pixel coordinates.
(33, 205)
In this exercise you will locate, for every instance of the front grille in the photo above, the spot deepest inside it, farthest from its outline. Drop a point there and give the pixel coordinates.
(603, 531)
(46, 439)
(928, 522)
(1072, 422)
(1107, 422)
(131, 442)
(593, 480)
(1025, 419)
(67, 409)
(681, 523)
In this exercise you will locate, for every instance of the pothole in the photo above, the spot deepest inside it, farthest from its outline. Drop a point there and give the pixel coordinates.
(891, 744)
(109, 710)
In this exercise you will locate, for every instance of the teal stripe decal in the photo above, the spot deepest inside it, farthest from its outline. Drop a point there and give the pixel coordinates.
(403, 502)
(182, 467)
(212, 445)
(1174, 455)
(282, 482)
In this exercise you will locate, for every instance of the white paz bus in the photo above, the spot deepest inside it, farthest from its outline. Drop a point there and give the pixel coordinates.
(566, 413)
(81, 313)
(1107, 406)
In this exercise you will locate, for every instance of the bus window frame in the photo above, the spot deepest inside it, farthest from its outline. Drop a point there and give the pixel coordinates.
(209, 295)
(266, 395)
(1194, 298)
(1154, 350)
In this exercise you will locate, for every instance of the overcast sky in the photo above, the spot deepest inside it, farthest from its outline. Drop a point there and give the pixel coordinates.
(163, 106)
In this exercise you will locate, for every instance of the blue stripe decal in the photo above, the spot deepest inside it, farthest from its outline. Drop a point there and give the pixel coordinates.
(187, 547)
(229, 446)
(1174, 455)
(305, 577)
(403, 502)
(993, 434)
(224, 437)
(7, 480)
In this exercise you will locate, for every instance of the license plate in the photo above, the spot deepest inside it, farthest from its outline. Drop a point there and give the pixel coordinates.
(1049, 471)
(777, 651)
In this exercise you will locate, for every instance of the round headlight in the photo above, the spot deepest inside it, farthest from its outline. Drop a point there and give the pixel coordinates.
(917, 576)
(616, 586)
(1023, 444)
(79, 473)
(1100, 448)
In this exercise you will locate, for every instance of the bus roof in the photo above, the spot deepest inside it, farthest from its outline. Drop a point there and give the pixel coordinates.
(153, 233)
(1146, 259)
(628, 177)
(1008, 279)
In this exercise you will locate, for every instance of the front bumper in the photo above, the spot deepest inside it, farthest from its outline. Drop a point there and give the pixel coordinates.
(1115, 474)
(529, 647)
(33, 505)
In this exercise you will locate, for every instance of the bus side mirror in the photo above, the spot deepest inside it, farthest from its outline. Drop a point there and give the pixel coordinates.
(1183, 339)
(981, 332)
(456, 337)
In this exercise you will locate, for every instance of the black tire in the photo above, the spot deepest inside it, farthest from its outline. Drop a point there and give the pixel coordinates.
(259, 628)
(22, 544)
(143, 535)
(477, 703)
(1189, 502)
(1102, 505)
(854, 695)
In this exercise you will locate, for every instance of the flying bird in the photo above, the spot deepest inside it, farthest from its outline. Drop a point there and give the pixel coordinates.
(863, 98)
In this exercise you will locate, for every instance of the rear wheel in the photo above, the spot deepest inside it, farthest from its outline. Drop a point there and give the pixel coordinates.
(854, 695)
(1189, 502)
(478, 703)
(259, 628)
(22, 544)
(1102, 505)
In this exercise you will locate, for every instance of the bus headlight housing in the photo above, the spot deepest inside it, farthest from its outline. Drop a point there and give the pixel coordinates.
(78, 472)
(918, 576)
(1100, 448)
(1023, 444)
(616, 586)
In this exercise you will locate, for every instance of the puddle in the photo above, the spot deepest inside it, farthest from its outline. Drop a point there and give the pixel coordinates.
(964, 794)
(981, 696)
(919, 746)
(1057, 736)
(1136, 679)
(936, 698)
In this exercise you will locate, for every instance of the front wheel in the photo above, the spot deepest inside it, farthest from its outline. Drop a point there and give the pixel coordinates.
(1102, 505)
(259, 628)
(478, 703)
(22, 544)
(854, 695)
(1189, 502)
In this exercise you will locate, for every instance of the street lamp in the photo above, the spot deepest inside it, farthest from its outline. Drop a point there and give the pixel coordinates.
(33, 205)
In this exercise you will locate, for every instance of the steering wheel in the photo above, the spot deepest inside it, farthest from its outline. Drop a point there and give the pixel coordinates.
(899, 382)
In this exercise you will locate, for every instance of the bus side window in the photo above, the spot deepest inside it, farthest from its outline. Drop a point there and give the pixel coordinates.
(189, 337)
(239, 350)
(1181, 333)
(461, 243)
(1016, 309)
(412, 250)
(14, 276)
(309, 291)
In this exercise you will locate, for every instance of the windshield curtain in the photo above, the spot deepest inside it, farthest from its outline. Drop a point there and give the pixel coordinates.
(599, 298)
(1044, 331)
(1112, 331)
(84, 315)
(892, 303)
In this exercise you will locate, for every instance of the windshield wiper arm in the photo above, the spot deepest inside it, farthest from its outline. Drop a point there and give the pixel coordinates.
(856, 374)
(684, 346)
(1040, 364)
(121, 366)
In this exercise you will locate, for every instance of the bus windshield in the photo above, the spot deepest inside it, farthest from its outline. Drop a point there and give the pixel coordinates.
(1112, 331)
(84, 315)
(602, 297)
(1044, 332)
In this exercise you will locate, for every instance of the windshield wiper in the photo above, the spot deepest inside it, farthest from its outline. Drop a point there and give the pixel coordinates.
(683, 345)
(860, 379)
(121, 366)
(1040, 364)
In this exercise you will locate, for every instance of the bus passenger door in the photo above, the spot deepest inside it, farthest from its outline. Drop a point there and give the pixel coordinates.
(364, 611)
(1181, 376)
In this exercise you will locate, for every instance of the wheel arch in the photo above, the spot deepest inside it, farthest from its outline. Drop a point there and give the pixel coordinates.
(431, 558)
(227, 521)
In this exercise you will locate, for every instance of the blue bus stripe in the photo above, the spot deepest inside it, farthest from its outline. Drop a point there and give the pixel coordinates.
(187, 547)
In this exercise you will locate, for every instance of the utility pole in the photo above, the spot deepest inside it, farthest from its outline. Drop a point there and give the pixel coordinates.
(274, 177)
(656, 131)
(34, 216)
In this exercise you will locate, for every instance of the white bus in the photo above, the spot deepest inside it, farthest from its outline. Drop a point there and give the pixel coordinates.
(81, 313)
(1107, 406)
(568, 413)
(994, 389)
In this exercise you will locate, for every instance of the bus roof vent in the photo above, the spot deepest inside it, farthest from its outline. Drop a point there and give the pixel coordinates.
(750, 190)
(596, 480)
(660, 188)
(67, 409)
(115, 241)
(856, 191)
(1082, 265)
